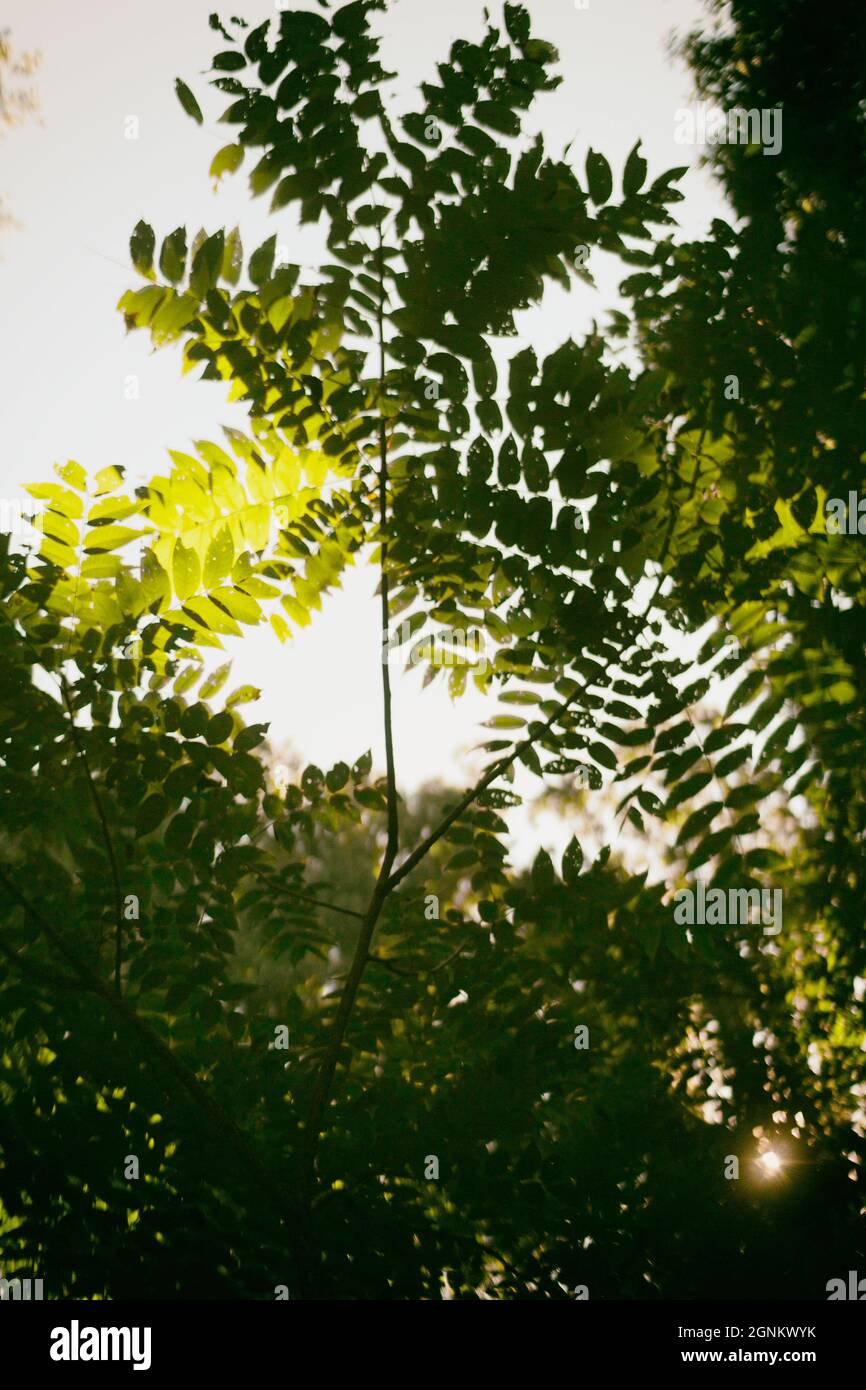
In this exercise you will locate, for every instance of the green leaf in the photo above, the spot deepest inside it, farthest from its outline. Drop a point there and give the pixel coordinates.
(141, 248)
(732, 761)
(230, 61)
(262, 261)
(745, 795)
(233, 258)
(543, 872)
(188, 101)
(250, 737)
(508, 463)
(220, 557)
(699, 821)
(207, 264)
(104, 538)
(517, 23)
(226, 161)
(219, 727)
(245, 775)
(634, 173)
(361, 769)
(243, 696)
(240, 605)
(215, 682)
(535, 470)
(338, 776)
(599, 178)
(194, 720)
(211, 617)
(73, 474)
(172, 257)
(498, 117)
(744, 691)
(370, 797)
(572, 862)
(764, 859)
(600, 753)
(185, 570)
(108, 479)
(690, 787)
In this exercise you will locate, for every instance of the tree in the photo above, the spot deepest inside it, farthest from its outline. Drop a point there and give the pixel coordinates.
(17, 101)
(497, 1083)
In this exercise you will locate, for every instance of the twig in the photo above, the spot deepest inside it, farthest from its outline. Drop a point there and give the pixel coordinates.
(496, 770)
(325, 1076)
(38, 973)
(385, 885)
(319, 902)
(425, 970)
(393, 814)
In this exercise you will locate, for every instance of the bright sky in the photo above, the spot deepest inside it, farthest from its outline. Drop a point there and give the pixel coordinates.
(77, 185)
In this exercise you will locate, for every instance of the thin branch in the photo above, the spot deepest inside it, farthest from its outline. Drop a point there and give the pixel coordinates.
(325, 1076)
(425, 970)
(494, 771)
(385, 885)
(290, 892)
(319, 902)
(34, 972)
(393, 814)
(307, 897)
(427, 844)
(394, 967)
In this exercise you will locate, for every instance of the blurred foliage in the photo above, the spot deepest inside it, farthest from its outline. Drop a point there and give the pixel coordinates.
(161, 929)
(18, 99)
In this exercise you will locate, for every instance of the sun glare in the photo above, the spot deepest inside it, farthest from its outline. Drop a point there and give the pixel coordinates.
(771, 1164)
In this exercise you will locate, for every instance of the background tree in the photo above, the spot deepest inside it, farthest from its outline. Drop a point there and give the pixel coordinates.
(17, 96)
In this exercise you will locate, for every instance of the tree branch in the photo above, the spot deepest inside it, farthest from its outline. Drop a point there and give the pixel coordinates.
(425, 970)
(319, 902)
(37, 973)
(385, 885)
(393, 814)
(494, 771)
(324, 1079)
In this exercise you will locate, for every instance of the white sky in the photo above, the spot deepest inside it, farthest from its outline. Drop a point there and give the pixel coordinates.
(77, 186)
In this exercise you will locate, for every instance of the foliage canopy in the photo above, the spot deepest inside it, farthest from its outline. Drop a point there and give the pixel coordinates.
(163, 913)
